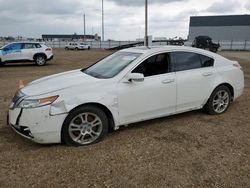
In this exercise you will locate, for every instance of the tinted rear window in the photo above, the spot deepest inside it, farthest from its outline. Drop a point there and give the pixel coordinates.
(186, 61)
(206, 61)
(38, 46)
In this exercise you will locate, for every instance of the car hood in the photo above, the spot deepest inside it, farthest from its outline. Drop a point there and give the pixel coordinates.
(58, 82)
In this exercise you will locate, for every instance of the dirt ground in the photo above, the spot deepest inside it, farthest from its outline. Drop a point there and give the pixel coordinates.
(188, 150)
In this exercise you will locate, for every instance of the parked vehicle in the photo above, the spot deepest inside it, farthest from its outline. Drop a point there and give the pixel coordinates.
(26, 51)
(77, 46)
(132, 85)
(205, 42)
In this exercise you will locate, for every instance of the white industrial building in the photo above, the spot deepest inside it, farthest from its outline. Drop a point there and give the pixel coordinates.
(221, 28)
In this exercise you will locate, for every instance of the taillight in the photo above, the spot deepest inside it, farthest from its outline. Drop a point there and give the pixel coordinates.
(48, 49)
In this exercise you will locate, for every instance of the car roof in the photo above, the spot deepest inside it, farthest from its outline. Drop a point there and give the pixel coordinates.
(27, 42)
(204, 37)
(155, 49)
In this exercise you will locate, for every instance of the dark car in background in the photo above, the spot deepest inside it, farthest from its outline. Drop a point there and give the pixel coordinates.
(205, 42)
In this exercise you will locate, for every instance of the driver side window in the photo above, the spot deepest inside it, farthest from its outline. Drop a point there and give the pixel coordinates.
(154, 65)
(15, 46)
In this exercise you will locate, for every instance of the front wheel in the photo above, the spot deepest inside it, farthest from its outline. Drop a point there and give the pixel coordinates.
(1, 63)
(40, 60)
(84, 125)
(219, 101)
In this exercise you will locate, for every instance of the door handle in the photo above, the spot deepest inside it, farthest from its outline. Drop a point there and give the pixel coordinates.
(168, 81)
(207, 74)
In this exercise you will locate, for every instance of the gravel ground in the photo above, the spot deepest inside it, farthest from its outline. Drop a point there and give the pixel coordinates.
(187, 150)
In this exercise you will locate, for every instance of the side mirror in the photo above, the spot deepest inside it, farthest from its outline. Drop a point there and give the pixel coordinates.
(135, 77)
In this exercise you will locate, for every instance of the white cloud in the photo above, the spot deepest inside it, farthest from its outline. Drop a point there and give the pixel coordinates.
(225, 6)
(247, 5)
(32, 18)
(142, 2)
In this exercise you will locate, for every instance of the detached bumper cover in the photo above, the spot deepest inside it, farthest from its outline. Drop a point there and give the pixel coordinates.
(37, 124)
(23, 131)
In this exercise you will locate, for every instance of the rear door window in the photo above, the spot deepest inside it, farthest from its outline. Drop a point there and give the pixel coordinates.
(38, 46)
(29, 46)
(206, 61)
(186, 61)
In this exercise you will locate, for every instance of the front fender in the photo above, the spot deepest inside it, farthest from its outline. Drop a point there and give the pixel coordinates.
(109, 100)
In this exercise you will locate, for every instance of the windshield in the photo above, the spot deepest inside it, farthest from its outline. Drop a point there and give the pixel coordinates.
(7, 45)
(111, 65)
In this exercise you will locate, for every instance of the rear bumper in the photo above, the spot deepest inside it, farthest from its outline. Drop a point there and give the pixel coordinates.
(50, 58)
(238, 93)
(36, 124)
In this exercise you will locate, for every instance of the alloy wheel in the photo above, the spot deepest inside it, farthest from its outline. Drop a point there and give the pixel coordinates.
(221, 101)
(85, 128)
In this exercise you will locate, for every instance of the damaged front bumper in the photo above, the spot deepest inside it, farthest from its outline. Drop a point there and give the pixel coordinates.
(37, 124)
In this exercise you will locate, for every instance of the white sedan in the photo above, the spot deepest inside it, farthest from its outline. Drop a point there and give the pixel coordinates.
(132, 85)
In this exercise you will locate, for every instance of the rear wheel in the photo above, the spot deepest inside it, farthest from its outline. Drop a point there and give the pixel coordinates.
(66, 48)
(219, 101)
(88, 48)
(85, 125)
(76, 49)
(40, 60)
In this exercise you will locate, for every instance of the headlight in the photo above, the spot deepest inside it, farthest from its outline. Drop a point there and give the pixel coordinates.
(34, 103)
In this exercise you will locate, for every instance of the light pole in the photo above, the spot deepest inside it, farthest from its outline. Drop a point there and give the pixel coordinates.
(102, 22)
(146, 23)
(84, 24)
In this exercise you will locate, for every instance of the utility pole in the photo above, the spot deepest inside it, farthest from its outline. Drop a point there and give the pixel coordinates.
(146, 23)
(84, 22)
(102, 22)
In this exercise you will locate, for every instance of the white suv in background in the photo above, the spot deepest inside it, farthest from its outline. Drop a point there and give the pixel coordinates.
(77, 46)
(25, 51)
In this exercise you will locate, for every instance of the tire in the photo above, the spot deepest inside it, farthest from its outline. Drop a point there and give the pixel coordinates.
(76, 49)
(1, 63)
(78, 129)
(66, 48)
(40, 60)
(88, 48)
(219, 101)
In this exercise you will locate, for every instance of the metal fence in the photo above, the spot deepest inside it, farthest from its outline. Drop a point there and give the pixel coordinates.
(225, 45)
(93, 44)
